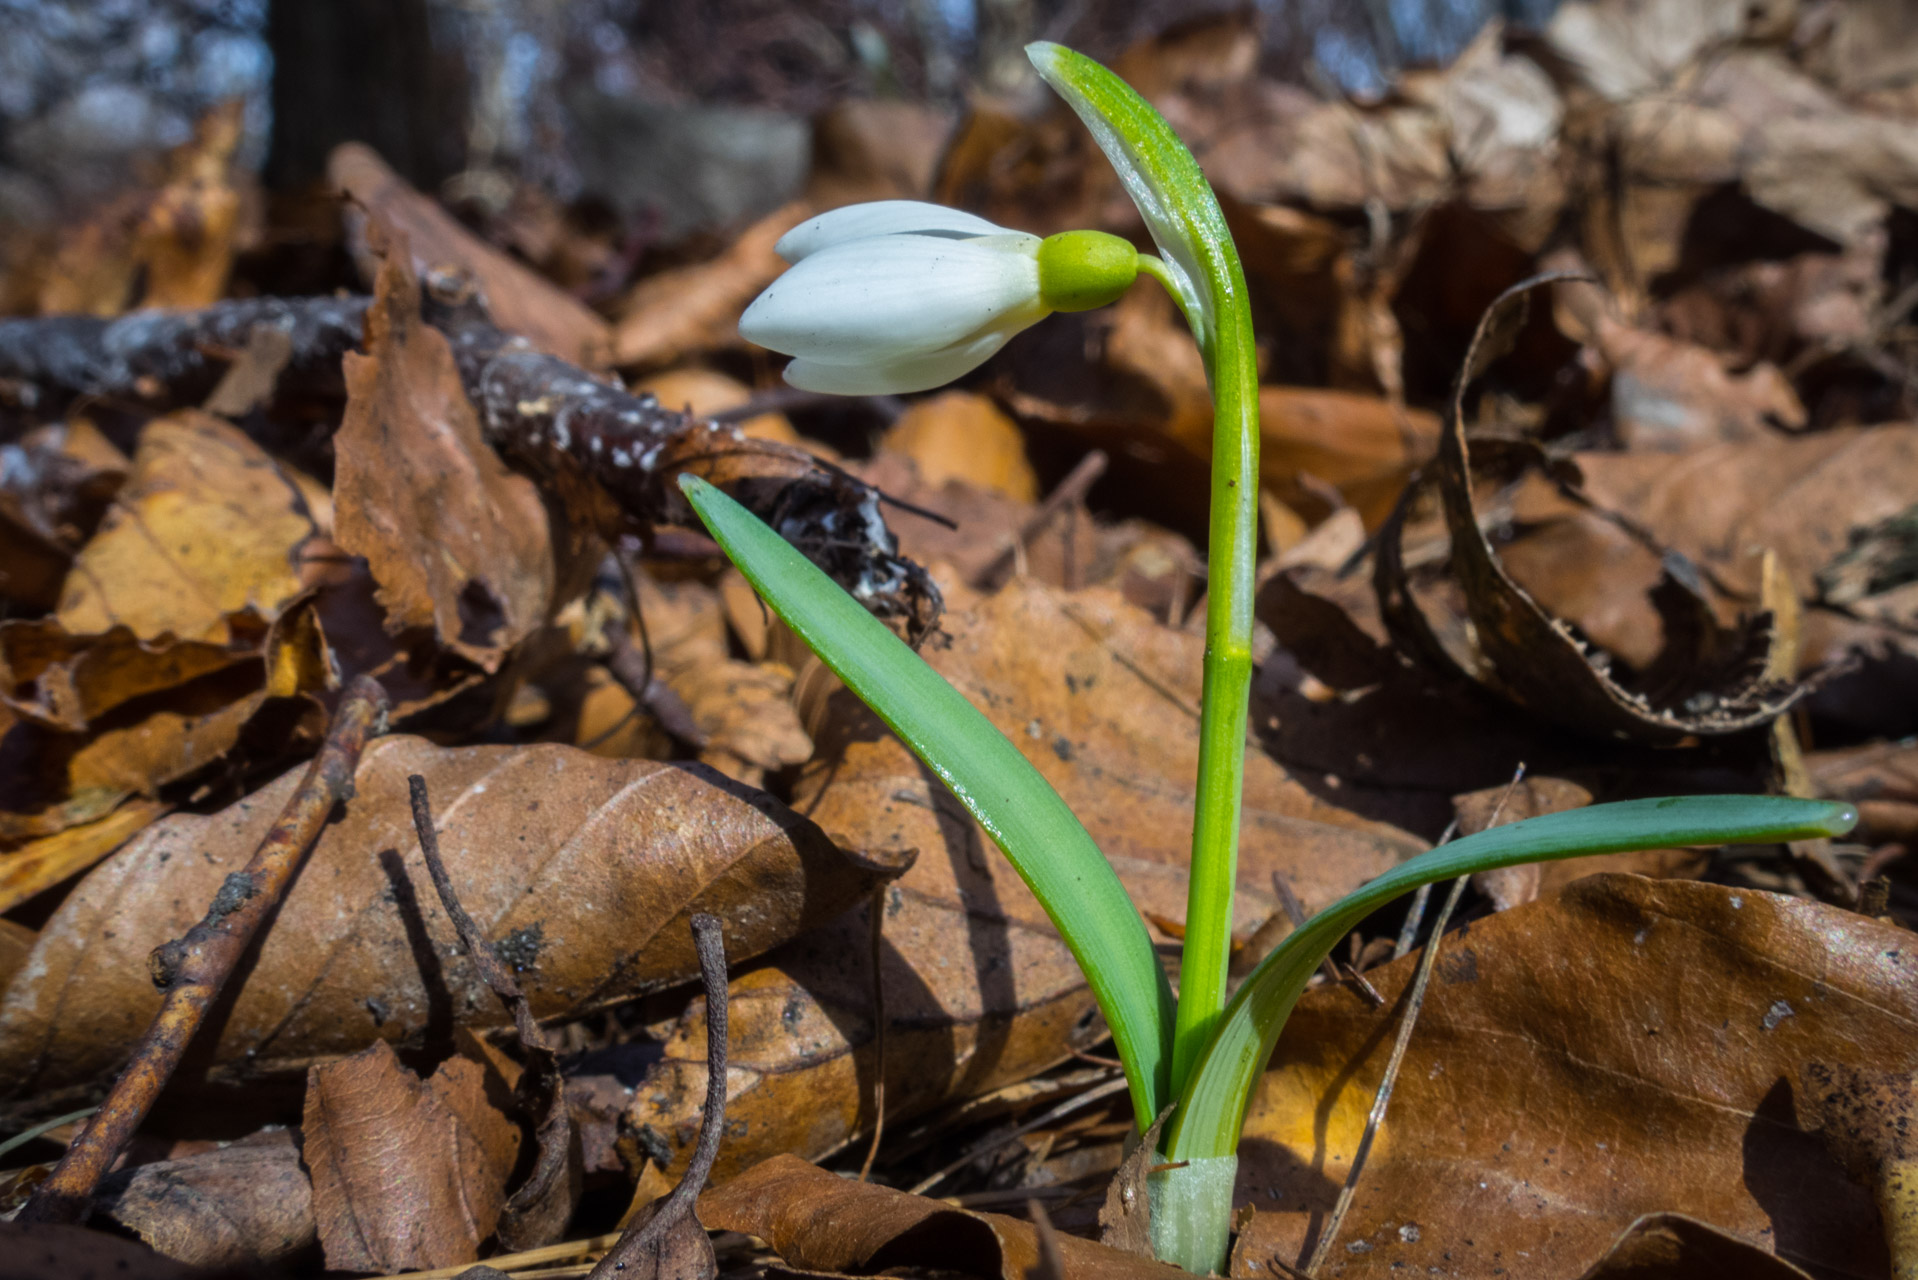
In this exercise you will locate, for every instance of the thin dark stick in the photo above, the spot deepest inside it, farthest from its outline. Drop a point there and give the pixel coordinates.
(193, 969)
(491, 968)
(1295, 912)
(1413, 1005)
(628, 665)
(1071, 490)
(1415, 914)
(1051, 1264)
(542, 1202)
(878, 1028)
(990, 1145)
(637, 1243)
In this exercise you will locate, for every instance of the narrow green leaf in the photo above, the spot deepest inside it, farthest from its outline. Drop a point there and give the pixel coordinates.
(1045, 843)
(1212, 1109)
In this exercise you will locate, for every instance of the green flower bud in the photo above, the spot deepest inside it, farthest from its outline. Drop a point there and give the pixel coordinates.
(1080, 270)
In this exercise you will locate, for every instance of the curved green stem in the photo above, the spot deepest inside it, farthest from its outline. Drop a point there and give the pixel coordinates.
(1201, 269)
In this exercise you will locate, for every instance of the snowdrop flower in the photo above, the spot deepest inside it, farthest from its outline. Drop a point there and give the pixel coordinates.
(899, 296)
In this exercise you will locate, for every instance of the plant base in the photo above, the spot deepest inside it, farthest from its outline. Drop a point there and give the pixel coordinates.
(1192, 1213)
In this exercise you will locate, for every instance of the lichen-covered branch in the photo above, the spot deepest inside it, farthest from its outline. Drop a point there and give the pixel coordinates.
(604, 451)
(171, 357)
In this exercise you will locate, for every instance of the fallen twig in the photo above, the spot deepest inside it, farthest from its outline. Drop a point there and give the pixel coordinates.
(878, 909)
(192, 970)
(540, 1207)
(1414, 1003)
(671, 1245)
(578, 432)
(172, 357)
(992, 1144)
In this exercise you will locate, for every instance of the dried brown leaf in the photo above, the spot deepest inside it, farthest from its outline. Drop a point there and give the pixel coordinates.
(455, 540)
(820, 1221)
(583, 869)
(40, 864)
(1625, 1047)
(171, 246)
(1865, 1118)
(407, 1174)
(95, 719)
(520, 300)
(241, 1205)
(207, 525)
(1671, 1246)
(980, 990)
(1670, 396)
(962, 436)
(1709, 679)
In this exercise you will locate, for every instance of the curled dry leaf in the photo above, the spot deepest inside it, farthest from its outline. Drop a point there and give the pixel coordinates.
(408, 1174)
(521, 300)
(1708, 680)
(1671, 1246)
(979, 989)
(241, 1205)
(456, 541)
(206, 526)
(821, 1221)
(583, 869)
(1625, 1047)
(95, 719)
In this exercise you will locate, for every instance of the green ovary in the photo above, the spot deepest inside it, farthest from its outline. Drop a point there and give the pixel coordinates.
(1080, 270)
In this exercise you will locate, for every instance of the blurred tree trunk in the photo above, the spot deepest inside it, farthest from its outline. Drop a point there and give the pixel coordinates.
(362, 71)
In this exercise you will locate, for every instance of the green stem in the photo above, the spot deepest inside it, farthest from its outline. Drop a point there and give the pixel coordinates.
(1201, 269)
(1232, 366)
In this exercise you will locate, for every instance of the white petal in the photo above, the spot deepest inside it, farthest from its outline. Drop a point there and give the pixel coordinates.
(895, 297)
(900, 377)
(878, 218)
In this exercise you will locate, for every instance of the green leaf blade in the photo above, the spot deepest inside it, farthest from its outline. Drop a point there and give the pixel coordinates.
(1212, 1109)
(1046, 844)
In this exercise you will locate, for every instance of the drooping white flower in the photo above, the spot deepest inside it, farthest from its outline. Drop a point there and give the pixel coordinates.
(900, 296)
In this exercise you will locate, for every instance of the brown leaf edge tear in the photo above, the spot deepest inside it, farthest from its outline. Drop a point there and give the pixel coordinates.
(666, 1241)
(1706, 682)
